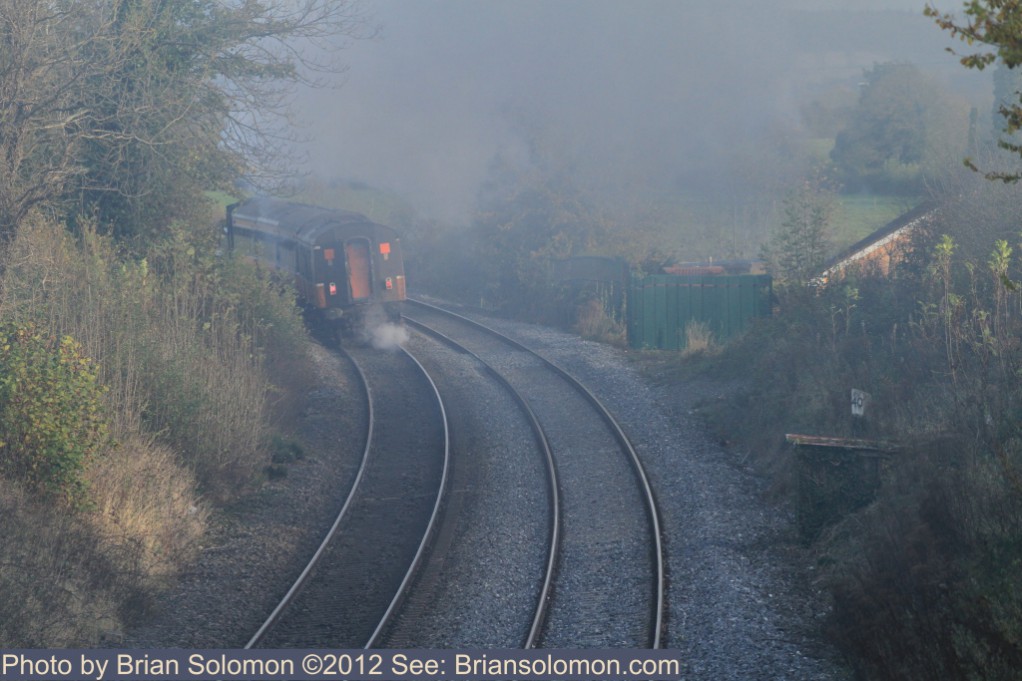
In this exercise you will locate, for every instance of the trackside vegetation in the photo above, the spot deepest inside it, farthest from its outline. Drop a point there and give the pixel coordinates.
(924, 579)
(145, 375)
(137, 395)
(52, 416)
(142, 374)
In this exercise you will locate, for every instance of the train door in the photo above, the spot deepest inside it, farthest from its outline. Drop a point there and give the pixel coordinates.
(328, 275)
(359, 259)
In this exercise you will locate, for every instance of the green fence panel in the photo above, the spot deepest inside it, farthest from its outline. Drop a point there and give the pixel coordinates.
(673, 301)
(661, 305)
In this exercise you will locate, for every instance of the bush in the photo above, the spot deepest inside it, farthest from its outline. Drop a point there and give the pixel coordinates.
(52, 415)
(925, 581)
(78, 576)
(925, 578)
(182, 337)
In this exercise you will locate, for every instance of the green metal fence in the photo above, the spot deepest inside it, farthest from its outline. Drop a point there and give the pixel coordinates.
(661, 305)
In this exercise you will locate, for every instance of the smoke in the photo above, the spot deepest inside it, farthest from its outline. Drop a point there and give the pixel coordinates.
(634, 97)
(388, 336)
(381, 330)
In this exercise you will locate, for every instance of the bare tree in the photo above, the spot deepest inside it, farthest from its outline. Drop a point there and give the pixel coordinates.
(41, 121)
(129, 108)
(203, 97)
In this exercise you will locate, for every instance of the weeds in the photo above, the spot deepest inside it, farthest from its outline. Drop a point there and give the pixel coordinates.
(699, 339)
(177, 339)
(593, 323)
(925, 578)
(52, 415)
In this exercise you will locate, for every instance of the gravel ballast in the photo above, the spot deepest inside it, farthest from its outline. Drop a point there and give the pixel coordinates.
(740, 605)
(740, 600)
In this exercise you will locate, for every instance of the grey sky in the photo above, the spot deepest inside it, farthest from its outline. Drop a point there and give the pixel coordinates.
(632, 91)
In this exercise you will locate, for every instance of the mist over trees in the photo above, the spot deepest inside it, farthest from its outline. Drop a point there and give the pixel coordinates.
(540, 131)
(924, 577)
(127, 111)
(903, 127)
(998, 25)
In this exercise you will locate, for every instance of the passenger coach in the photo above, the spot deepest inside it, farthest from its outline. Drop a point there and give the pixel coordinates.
(343, 264)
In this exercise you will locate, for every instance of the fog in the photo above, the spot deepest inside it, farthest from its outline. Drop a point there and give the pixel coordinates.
(642, 97)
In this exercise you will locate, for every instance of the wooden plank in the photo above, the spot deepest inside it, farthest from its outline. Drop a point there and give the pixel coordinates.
(840, 443)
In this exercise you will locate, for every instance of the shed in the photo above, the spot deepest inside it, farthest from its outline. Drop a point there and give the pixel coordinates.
(882, 250)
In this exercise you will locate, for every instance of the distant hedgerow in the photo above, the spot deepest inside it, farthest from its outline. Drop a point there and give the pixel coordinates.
(52, 416)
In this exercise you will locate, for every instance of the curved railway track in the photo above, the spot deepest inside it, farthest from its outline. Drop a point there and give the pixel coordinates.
(491, 580)
(601, 579)
(611, 585)
(359, 575)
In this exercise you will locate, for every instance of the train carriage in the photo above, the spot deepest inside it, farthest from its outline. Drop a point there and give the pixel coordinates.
(343, 264)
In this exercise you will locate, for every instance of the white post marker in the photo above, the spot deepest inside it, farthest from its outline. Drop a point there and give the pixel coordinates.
(859, 401)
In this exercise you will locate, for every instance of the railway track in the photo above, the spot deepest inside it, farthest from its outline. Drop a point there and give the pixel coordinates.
(735, 612)
(358, 577)
(609, 588)
(489, 582)
(582, 568)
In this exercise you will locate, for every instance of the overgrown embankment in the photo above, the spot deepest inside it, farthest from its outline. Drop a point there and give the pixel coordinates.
(137, 396)
(925, 579)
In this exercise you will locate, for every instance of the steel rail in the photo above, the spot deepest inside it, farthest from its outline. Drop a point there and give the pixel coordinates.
(553, 550)
(332, 532)
(304, 576)
(640, 471)
(428, 535)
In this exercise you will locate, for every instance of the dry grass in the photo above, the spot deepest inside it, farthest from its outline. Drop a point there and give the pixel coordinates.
(61, 587)
(145, 499)
(593, 323)
(174, 351)
(73, 579)
(188, 400)
(699, 339)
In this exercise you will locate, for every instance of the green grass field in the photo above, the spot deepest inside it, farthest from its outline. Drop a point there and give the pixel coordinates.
(858, 216)
(221, 200)
(696, 228)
